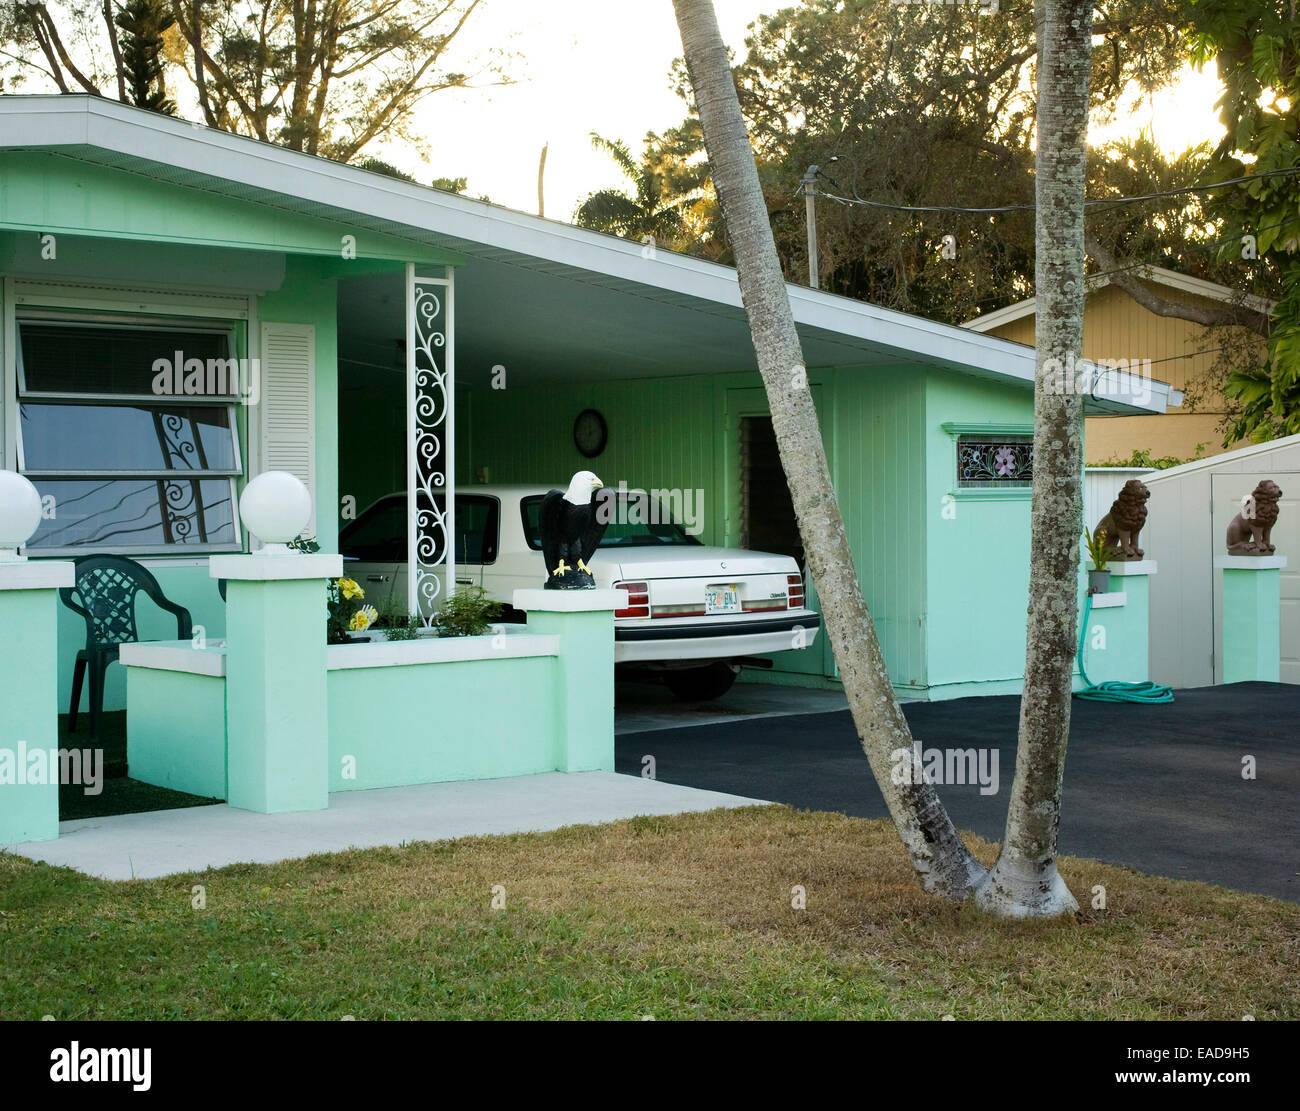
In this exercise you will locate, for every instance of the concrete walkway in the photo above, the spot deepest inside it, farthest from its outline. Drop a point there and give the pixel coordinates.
(145, 846)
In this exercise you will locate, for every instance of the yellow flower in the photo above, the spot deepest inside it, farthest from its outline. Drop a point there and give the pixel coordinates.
(349, 589)
(363, 619)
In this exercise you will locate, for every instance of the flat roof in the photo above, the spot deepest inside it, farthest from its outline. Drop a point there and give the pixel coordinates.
(835, 330)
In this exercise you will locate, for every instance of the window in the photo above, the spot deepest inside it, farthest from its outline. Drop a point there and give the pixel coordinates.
(379, 534)
(635, 522)
(129, 433)
(994, 461)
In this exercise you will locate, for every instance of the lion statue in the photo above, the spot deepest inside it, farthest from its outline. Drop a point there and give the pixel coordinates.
(1118, 530)
(1250, 531)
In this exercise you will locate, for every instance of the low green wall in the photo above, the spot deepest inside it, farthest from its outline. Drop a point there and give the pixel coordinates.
(177, 730)
(277, 720)
(395, 726)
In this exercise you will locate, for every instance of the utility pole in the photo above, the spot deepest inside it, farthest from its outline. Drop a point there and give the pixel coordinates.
(541, 173)
(808, 186)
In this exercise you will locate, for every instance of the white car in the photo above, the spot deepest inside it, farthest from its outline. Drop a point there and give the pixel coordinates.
(693, 613)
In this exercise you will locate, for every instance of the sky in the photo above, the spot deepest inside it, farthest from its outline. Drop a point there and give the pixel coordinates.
(603, 66)
(584, 66)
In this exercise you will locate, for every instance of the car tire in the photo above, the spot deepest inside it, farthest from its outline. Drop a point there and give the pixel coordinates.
(700, 684)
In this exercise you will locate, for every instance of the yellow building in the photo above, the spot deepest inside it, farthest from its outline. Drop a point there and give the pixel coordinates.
(1116, 329)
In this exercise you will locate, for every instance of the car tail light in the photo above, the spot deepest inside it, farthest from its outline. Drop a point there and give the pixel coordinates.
(794, 591)
(638, 600)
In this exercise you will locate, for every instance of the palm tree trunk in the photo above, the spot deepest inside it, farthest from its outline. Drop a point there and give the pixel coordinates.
(937, 852)
(1025, 882)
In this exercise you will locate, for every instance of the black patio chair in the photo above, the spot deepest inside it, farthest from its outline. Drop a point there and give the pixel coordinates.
(105, 596)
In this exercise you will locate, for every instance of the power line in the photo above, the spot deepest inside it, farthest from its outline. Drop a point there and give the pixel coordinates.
(1207, 245)
(1109, 202)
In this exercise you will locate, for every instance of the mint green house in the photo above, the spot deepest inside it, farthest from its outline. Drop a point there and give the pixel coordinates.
(369, 335)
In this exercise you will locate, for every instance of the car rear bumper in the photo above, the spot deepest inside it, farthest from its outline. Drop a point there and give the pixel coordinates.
(715, 640)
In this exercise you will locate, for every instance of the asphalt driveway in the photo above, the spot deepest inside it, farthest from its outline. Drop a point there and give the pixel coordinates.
(1157, 788)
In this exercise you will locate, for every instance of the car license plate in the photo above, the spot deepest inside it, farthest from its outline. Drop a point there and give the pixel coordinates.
(721, 599)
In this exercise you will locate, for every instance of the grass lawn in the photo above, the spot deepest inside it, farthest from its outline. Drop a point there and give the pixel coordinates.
(682, 917)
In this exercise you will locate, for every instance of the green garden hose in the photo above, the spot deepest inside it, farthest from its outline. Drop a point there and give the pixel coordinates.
(1115, 692)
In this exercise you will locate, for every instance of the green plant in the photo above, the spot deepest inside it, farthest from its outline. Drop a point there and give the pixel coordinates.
(305, 544)
(407, 629)
(395, 621)
(1096, 546)
(469, 612)
(1142, 457)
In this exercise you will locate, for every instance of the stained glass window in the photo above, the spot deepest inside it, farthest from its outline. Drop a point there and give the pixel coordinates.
(994, 461)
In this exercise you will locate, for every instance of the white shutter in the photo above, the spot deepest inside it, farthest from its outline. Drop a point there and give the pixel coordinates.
(288, 404)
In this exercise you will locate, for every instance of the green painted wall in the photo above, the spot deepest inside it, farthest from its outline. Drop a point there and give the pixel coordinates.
(1115, 647)
(49, 194)
(372, 434)
(28, 811)
(178, 730)
(276, 708)
(977, 550)
(876, 463)
(1252, 625)
(427, 723)
(683, 432)
(662, 433)
(309, 295)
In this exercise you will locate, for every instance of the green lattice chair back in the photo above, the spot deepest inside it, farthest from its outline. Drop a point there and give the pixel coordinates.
(105, 595)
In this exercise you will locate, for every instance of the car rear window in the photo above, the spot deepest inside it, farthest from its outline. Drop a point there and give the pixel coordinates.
(379, 534)
(622, 531)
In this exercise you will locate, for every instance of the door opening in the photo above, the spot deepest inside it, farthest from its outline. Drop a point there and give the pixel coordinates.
(767, 520)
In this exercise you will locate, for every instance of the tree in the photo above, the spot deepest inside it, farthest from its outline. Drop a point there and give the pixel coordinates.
(1024, 882)
(1256, 45)
(930, 105)
(328, 77)
(143, 24)
(944, 863)
(645, 212)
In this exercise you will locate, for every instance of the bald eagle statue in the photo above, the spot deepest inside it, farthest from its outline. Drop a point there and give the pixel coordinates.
(572, 526)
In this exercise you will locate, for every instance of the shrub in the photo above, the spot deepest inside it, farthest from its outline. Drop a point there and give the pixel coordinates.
(396, 622)
(469, 612)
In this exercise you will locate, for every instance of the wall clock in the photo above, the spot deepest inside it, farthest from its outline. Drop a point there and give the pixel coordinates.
(590, 433)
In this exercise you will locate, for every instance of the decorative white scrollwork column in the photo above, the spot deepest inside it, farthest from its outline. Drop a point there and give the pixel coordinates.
(430, 442)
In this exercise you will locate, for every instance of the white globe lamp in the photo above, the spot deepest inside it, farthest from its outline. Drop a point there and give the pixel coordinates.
(20, 514)
(275, 507)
